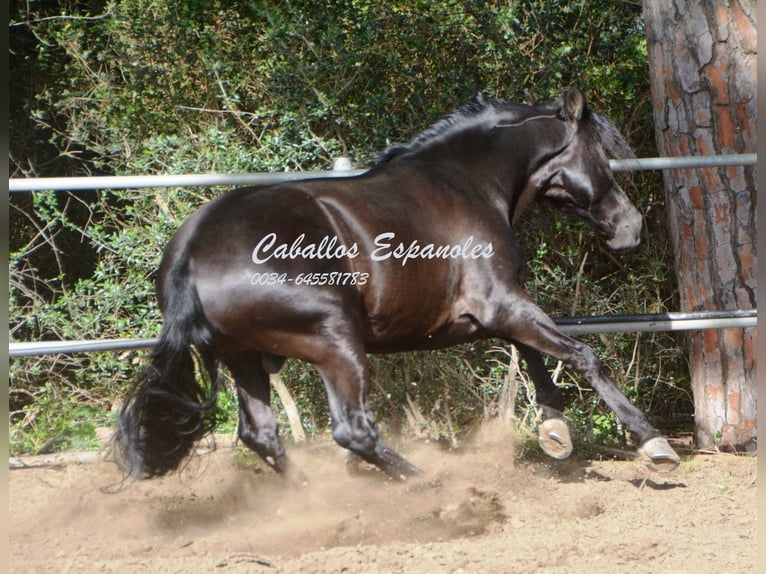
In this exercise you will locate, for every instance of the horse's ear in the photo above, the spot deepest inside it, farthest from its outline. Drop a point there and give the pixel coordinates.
(574, 103)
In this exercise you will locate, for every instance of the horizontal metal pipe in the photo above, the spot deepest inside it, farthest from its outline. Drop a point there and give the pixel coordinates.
(186, 180)
(569, 325)
(654, 317)
(212, 179)
(581, 326)
(660, 325)
(642, 164)
(67, 347)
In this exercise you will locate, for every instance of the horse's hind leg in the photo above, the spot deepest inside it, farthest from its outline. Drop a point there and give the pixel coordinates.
(553, 433)
(258, 428)
(345, 372)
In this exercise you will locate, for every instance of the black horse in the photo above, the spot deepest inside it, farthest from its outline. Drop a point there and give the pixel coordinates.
(416, 253)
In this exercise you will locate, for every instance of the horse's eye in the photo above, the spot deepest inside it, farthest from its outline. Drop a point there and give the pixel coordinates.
(559, 195)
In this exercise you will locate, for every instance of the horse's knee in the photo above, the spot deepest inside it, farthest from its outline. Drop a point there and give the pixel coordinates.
(585, 361)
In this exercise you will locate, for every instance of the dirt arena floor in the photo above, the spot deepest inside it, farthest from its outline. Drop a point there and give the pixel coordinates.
(476, 510)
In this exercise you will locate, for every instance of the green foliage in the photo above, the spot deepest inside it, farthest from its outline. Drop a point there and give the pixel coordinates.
(63, 417)
(154, 86)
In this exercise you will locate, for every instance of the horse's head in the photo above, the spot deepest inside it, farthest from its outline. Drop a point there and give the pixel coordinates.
(559, 152)
(577, 178)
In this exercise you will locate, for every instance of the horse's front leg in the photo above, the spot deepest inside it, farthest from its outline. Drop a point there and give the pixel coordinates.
(522, 321)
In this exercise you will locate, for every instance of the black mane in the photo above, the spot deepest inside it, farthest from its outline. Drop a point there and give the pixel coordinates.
(610, 138)
(479, 109)
(467, 115)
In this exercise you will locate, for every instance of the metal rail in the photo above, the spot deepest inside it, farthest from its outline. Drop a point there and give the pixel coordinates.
(569, 325)
(186, 180)
(212, 179)
(342, 168)
(648, 163)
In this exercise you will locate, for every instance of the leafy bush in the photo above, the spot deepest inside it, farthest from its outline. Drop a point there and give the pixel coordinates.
(153, 86)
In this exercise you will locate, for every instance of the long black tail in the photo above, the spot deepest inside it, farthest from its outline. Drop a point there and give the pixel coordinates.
(173, 403)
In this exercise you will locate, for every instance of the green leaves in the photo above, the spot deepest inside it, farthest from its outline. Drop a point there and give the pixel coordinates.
(162, 87)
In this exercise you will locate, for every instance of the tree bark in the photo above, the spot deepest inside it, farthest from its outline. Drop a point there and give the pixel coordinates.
(702, 59)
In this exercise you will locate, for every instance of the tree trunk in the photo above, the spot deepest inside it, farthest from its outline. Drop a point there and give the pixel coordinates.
(702, 59)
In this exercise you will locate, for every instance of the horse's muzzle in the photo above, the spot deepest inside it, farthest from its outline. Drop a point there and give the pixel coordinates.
(627, 230)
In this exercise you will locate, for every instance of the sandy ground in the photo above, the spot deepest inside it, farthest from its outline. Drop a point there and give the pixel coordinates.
(474, 511)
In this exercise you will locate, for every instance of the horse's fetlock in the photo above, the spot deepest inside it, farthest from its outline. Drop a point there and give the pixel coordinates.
(341, 434)
(362, 441)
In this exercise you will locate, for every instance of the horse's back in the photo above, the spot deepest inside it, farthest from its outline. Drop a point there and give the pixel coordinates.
(295, 256)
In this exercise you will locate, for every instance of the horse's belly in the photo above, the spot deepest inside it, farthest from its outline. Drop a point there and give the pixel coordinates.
(402, 336)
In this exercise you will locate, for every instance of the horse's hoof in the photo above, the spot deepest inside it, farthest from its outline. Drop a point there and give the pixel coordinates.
(659, 455)
(553, 438)
(403, 471)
